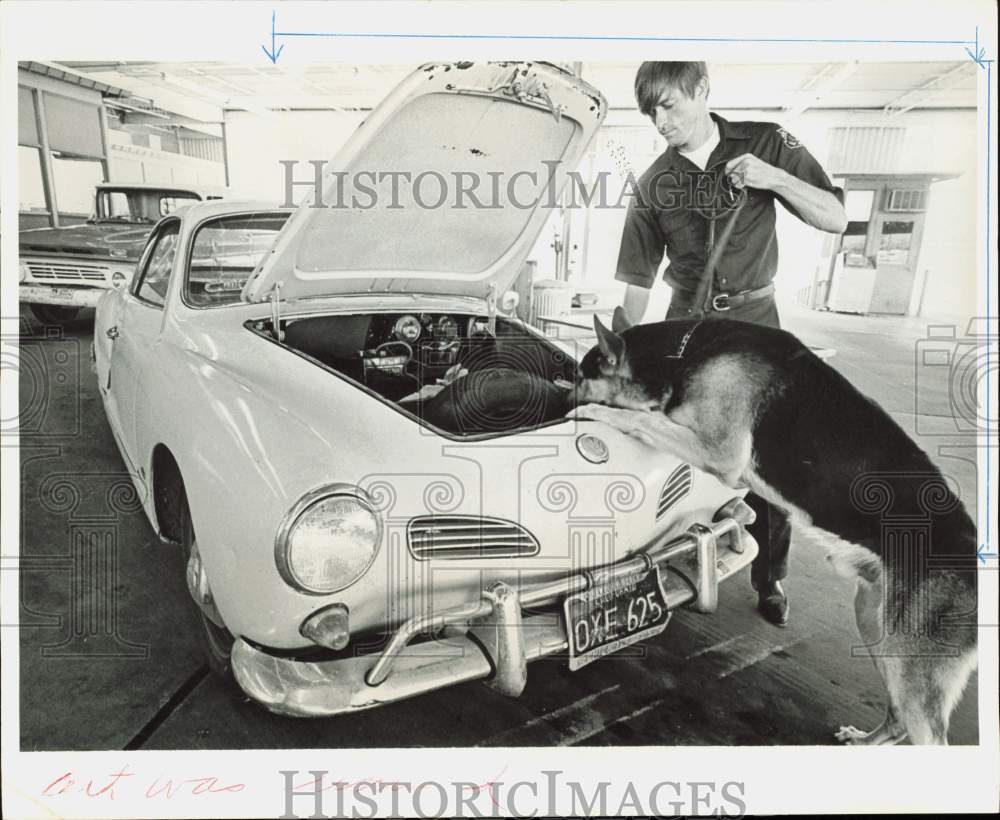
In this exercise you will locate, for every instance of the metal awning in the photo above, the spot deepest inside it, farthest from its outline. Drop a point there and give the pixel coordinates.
(67, 75)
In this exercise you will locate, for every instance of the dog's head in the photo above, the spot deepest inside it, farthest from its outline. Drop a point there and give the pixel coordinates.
(606, 375)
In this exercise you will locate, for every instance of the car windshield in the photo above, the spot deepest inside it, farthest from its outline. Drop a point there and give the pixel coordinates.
(224, 253)
(139, 207)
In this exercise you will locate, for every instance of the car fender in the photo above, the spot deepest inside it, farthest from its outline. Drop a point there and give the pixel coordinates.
(247, 452)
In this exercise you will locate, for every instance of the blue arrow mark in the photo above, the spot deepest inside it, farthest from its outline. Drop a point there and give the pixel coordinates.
(978, 54)
(982, 556)
(614, 38)
(979, 57)
(273, 55)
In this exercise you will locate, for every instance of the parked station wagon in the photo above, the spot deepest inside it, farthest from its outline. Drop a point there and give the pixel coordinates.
(364, 453)
(65, 269)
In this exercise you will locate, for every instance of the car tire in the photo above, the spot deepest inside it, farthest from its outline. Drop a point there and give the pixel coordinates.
(53, 314)
(217, 641)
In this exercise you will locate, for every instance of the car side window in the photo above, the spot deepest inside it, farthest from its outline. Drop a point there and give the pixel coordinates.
(159, 262)
(224, 253)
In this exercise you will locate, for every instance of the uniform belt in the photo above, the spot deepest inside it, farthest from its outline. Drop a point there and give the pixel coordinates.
(726, 301)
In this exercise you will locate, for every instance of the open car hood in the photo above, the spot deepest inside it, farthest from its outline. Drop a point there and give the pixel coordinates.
(442, 190)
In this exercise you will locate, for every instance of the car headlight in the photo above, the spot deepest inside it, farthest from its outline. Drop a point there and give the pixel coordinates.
(22, 271)
(328, 540)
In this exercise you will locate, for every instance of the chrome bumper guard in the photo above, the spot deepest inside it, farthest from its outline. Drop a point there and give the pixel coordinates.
(489, 638)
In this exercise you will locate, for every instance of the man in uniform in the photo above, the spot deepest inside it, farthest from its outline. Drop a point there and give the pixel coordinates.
(671, 213)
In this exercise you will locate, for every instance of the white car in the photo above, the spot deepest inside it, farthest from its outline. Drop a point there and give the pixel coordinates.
(363, 451)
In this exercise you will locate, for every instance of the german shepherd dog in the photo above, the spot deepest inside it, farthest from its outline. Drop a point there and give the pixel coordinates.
(755, 407)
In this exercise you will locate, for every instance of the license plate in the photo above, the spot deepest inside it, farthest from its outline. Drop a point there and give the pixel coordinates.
(62, 293)
(609, 618)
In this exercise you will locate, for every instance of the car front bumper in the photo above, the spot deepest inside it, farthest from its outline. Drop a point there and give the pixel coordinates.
(491, 637)
(63, 295)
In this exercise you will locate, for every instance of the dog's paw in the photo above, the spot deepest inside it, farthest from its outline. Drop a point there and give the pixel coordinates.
(590, 412)
(643, 437)
(624, 421)
(851, 735)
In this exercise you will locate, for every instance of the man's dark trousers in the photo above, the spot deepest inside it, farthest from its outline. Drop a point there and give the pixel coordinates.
(772, 530)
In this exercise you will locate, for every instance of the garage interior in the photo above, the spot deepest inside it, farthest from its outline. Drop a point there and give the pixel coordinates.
(901, 138)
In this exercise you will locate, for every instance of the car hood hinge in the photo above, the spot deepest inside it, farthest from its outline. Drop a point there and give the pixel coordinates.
(275, 297)
(491, 307)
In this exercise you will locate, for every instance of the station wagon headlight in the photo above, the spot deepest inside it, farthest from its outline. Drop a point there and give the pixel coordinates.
(22, 271)
(328, 540)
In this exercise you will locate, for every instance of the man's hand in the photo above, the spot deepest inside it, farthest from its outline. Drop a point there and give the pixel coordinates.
(635, 304)
(814, 206)
(755, 173)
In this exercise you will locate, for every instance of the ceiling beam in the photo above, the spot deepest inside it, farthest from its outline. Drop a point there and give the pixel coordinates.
(220, 99)
(819, 85)
(217, 80)
(929, 90)
(153, 94)
(135, 116)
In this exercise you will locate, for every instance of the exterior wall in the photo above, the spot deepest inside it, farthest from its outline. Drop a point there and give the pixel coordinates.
(133, 163)
(255, 144)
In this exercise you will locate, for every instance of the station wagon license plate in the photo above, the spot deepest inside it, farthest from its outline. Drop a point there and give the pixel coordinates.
(604, 620)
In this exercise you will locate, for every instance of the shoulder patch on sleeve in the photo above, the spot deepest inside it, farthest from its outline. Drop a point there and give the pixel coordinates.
(788, 139)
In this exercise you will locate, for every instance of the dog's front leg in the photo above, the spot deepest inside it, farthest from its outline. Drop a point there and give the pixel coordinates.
(653, 429)
(625, 421)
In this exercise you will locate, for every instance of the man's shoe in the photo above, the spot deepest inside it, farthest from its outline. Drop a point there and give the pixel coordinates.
(772, 602)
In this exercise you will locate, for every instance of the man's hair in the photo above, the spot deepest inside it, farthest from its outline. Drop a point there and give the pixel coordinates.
(652, 79)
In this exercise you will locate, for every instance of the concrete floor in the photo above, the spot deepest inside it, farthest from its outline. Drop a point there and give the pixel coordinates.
(121, 669)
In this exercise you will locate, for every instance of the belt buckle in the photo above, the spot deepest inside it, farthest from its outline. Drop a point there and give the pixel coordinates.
(716, 304)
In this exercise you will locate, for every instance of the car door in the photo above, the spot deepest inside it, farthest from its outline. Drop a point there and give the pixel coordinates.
(105, 333)
(137, 333)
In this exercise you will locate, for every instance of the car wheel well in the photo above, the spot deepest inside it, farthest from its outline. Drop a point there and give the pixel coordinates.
(169, 495)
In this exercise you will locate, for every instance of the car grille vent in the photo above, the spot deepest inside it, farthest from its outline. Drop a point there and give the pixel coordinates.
(68, 272)
(468, 536)
(678, 485)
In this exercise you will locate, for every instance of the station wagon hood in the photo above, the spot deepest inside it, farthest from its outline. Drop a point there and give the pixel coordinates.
(442, 190)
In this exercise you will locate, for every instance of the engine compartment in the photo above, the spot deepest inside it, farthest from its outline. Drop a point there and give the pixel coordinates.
(452, 371)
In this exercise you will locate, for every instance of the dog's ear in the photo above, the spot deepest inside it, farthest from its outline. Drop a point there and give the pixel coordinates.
(612, 345)
(620, 322)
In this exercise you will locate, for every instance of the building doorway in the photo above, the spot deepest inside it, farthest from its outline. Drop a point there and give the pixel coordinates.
(873, 267)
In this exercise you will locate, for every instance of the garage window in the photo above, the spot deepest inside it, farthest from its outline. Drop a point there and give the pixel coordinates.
(27, 126)
(30, 191)
(74, 125)
(76, 179)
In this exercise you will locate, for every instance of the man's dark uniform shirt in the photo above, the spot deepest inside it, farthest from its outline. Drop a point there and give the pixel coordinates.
(662, 218)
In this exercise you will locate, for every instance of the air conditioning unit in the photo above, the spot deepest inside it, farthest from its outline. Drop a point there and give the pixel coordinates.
(906, 200)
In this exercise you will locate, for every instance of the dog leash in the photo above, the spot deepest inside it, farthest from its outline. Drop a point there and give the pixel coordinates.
(703, 294)
(737, 195)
